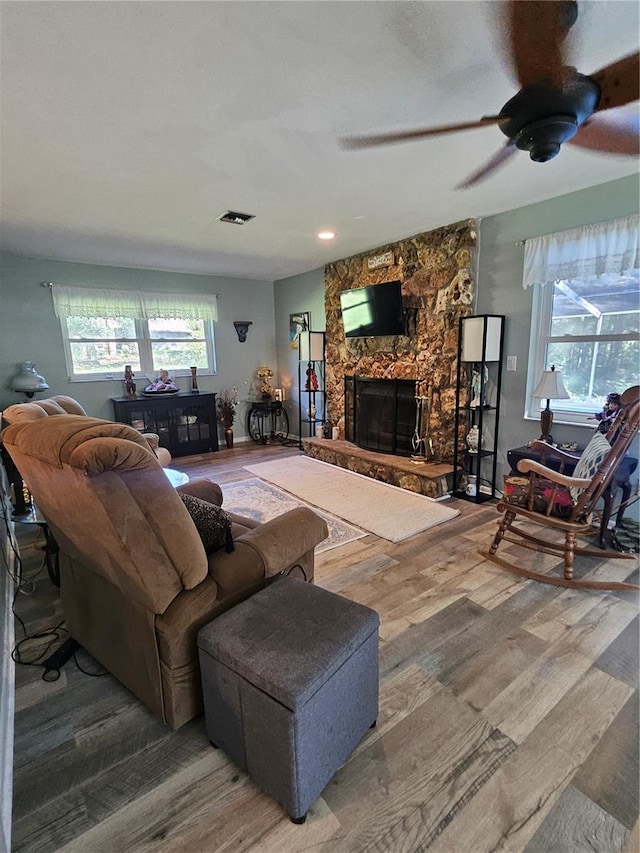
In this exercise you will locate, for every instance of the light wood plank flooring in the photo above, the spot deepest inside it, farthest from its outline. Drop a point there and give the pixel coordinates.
(508, 719)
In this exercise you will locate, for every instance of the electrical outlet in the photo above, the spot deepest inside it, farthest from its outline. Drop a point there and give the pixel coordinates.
(512, 361)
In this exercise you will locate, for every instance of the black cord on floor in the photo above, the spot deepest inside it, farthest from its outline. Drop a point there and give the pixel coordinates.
(27, 586)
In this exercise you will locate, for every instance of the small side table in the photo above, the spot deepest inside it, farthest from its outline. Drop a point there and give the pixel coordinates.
(268, 421)
(51, 548)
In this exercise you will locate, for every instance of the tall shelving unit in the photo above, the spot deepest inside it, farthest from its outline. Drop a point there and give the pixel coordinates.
(311, 400)
(479, 380)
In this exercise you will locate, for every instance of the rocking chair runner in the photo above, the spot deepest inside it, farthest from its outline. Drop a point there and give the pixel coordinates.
(549, 502)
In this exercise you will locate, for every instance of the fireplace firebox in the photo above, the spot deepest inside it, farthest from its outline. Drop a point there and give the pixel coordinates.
(380, 414)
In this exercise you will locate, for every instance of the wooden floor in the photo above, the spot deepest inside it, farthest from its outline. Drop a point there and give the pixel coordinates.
(508, 720)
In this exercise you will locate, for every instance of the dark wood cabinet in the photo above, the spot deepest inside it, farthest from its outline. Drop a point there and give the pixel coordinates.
(185, 422)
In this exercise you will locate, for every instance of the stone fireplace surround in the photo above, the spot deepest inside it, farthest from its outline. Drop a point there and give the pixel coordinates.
(435, 269)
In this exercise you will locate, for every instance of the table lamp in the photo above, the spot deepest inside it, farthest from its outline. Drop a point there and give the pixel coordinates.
(28, 381)
(550, 387)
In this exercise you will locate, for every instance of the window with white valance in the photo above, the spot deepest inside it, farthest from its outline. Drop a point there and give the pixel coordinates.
(586, 313)
(104, 330)
(91, 302)
(593, 250)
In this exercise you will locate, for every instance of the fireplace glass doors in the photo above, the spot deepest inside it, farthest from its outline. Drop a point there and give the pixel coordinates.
(380, 414)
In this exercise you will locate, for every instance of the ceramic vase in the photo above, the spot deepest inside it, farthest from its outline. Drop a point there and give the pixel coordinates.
(228, 437)
(473, 439)
(194, 380)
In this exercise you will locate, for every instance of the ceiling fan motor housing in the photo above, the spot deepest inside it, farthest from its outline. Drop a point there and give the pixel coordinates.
(541, 117)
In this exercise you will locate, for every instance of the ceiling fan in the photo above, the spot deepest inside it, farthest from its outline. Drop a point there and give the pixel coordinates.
(556, 104)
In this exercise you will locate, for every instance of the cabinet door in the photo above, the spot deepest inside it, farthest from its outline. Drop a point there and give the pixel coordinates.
(192, 428)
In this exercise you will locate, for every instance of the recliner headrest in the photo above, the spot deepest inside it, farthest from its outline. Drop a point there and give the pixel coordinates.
(54, 440)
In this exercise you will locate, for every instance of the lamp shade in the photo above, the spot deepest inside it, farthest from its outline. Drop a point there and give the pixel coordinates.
(28, 381)
(473, 337)
(312, 346)
(551, 386)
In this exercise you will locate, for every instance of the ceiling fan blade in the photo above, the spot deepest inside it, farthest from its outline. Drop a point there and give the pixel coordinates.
(501, 156)
(617, 132)
(619, 82)
(537, 29)
(406, 135)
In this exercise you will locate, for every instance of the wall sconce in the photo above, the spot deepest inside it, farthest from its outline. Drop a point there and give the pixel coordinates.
(242, 327)
(28, 381)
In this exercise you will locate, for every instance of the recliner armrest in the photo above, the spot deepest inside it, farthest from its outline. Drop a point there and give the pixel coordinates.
(268, 549)
(203, 488)
(162, 454)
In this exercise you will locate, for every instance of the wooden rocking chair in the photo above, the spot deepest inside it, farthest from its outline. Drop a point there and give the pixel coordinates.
(566, 504)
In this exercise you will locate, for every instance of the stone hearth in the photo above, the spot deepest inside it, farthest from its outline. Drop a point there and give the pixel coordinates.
(427, 478)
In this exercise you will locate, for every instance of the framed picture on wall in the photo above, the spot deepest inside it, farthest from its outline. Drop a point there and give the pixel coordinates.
(298, 323)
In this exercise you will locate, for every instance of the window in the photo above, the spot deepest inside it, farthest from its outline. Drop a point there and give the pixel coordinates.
(586, 317)
(105, 330)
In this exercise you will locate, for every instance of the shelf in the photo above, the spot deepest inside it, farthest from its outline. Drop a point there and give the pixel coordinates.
(479, 377)
(311, 359)
(479, 498)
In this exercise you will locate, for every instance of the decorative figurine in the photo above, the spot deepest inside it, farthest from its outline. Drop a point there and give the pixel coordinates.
(609, 413)
(164, 384)
(312, 380)
(264, 374)
(473, 439)
(129, 384)
(476, 388)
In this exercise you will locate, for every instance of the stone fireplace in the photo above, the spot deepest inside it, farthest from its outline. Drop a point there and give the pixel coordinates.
(435, 269)
(380, 414)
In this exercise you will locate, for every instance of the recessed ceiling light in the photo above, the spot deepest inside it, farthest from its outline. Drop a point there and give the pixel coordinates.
(326, 235)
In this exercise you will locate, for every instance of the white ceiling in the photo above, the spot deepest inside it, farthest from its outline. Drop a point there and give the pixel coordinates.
(128, 127)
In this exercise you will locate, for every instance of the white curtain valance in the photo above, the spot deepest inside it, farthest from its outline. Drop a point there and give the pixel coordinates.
(89, 302)
(608, 247)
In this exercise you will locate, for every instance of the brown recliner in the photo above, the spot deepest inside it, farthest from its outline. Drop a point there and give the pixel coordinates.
(136, 583)
(61, 404)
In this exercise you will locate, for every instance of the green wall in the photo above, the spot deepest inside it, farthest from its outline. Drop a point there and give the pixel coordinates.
(292, 295)
(29, 330)
(500, 288)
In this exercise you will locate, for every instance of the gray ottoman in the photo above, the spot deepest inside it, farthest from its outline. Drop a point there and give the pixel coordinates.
(290, 683)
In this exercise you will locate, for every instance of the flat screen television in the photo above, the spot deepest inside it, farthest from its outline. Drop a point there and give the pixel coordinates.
(373, 311)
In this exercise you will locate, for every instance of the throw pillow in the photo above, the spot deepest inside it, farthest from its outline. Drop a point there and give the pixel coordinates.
(212, 523)
(588, 463)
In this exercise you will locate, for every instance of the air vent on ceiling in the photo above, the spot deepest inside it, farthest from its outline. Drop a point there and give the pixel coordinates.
(236, 218)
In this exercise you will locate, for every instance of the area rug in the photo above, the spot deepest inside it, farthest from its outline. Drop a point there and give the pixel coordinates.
(262, 501)
(388, 511)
